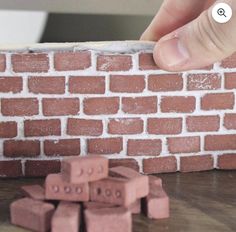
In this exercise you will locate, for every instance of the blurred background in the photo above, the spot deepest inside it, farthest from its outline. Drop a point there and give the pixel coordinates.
(31, 21)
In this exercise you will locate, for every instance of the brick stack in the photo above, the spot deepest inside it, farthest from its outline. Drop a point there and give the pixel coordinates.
(87, 196)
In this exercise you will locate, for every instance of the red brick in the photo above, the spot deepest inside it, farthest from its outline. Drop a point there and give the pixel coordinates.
(139, 105)
(105, 145)
(178, 104)
(144, 147)
(61, 106)
(164, 125)
(21, 148)
(11, 84)
(127, 83)
(10, 168)
(2, 62)
(46, 85)
(102, 105)
(203, 123)
(227, 161)
(114, 63)
(196, 163)
(125, 126)
(230, 80)
(19, 106)
(30, 62)
(42, 127)
(230, 121)
(37, 168)
(87, 84)
(129, 163)
(165, 82)
(220, 142)
(62, 147)
(160, 165)
(229, 62)
(203, 81)
(217, 101)
(146, 62)
(86, 127)
(65, 61)
(8, 129)
(188, 144)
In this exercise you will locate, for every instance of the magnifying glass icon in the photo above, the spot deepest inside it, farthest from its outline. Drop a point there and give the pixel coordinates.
(221, 12)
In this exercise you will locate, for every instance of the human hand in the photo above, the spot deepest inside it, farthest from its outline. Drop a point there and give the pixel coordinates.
(187, 35)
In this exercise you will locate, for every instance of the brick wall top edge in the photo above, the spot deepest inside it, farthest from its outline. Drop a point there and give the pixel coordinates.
(130, 46)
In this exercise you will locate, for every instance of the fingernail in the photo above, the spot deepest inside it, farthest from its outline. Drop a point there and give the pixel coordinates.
(172, 52)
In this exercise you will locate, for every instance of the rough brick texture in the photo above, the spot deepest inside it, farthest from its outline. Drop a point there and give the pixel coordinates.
(111, 99)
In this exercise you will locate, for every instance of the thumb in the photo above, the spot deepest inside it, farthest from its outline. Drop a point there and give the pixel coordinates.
(197, 44)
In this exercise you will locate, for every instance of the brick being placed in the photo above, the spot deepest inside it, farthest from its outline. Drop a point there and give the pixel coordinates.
(58, 189)
(32, 214)
(67, 217)
(84, 169)
(36, 192)
(108, 220)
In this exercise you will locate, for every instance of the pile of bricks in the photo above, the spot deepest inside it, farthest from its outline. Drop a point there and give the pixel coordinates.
(93, 198)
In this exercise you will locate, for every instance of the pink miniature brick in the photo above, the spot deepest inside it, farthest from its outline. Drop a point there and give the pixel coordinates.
(32, 214)
(84, 169)
(66, 218)
(57, 189)
(154, 180)
(36, 192)
(116, 191)
(108, 220)
(135, 208)
(141, 181)
(156, 204)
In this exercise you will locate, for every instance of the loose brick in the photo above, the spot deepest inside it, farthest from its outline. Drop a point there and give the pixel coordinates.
(227, 161)
(220, 142)
(42, 127)
(178, 104)
(10, 168)
(66, 61)
(102, 105)
(165, 82)
(87, 84)
(160, 165)
(230, 121)
(8, 129)
(36, 191)
(11, 84)
(2, 62)
(114, 63)
(217, 101)
(61, 106)
(186, 144)
(46, 85)
(230, 80)
(196, 163)
(130, 163)
(164, 126)
(146, 62)
(37, 168)
(21, 148)
(105, 145)
(229, 62)
(202, 81)
(62, 147)
(19, 106)
(143, 147)
(125, 126)
(30, 62)
(203, 123)
(86, 127)
(139, 105)
(127, 83)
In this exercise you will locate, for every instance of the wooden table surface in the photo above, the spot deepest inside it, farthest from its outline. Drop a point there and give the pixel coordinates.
(201, 202)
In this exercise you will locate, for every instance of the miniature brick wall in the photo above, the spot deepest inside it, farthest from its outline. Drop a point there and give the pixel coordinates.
(69, 100)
